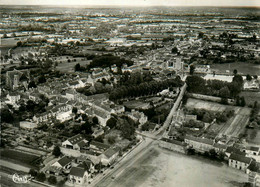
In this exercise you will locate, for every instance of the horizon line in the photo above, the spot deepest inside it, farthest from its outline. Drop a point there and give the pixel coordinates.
(142, 5)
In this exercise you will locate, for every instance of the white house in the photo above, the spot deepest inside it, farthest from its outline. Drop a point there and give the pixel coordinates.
(252, 150)
(239, 161)
(78, 176)
(109, 156)
(13, 98)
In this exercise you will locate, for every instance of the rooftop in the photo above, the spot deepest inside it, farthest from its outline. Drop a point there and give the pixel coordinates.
(240, 158)
(77, 171)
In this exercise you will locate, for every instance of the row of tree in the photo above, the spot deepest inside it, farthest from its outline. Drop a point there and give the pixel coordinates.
(217, 88)
(145, 88)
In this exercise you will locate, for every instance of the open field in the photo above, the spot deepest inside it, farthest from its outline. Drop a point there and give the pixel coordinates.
(162, 168)
(250, 97)
(243, 68)
(69, 66)
(19, 157)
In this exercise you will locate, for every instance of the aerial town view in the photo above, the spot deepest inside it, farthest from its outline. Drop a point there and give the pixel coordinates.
(129, 96)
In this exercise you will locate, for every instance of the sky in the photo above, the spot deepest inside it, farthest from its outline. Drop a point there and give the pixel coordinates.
(136, 2)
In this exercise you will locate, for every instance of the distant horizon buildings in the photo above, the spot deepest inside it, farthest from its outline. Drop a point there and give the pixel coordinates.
(219, 3)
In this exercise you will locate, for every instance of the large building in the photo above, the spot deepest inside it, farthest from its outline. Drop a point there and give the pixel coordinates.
(16, 78)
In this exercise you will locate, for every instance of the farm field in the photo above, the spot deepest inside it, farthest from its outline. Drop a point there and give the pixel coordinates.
(243, 68)
(19, 157)
(235, 125)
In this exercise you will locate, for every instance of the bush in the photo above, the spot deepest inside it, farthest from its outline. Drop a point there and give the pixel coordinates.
(52, 180)
(41, 177)
(111, 139)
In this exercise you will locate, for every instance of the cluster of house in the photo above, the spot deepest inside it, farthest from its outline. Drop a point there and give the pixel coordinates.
(81, 157)
(244, 159)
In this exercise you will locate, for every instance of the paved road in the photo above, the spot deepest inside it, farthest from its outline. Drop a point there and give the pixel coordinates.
(124, 163)
(140, 150)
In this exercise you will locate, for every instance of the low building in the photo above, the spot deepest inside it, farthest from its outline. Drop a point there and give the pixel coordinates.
(239, 161)
(78, 176)
(109, 156)
(173, 145)
(220, 148)
(253, 171)
(76, 142)
(199, 144)
(252, 150)
(97, 133)
(64, 163)
(28, 125)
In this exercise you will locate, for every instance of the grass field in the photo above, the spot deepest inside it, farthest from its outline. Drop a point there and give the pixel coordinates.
(253, 140)
(250, 97)
(19, 157)
(243, 68)
(233, 127)
(69, 66)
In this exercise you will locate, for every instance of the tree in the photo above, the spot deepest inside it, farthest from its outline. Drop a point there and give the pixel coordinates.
(87, 128)
(52, 180)
(56, 151)
(95, 120)
(41, 177)
(18, 44)
(235, 72)
(75, 110)
(224, 92)
(201, 35)
(212, 153)
(192, 69)
(77, 67)
(33, 172)
(111, 123)
(6, 116)
(111, 139)
(248, 77)
(242, 101)
(175, 50)
(195, 84)
(32, 84)
(42, 79)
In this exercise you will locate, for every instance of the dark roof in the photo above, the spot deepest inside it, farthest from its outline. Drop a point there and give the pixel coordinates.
(254, 166)
(64, 161)
(75, 139)
(235, 150)
(23, 78)
(111, 151)
(99, 145)
(173, 141)
(82, 143)
(77, 171)
(240, 158)
(252, 148)
(220, 146)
